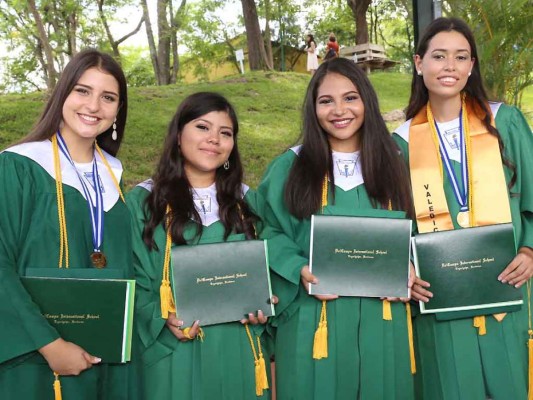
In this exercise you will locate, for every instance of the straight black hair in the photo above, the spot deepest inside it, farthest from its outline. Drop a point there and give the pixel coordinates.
(384, 172)
(171, 186)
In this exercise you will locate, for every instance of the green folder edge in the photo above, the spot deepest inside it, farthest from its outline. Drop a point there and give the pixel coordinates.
(128, 321)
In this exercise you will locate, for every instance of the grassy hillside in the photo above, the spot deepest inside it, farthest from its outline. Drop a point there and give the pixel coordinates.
(268, 106)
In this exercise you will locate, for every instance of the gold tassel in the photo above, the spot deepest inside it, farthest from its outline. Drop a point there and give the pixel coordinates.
(499, 317)
(529, 343)
(57, 388)
(530, 365)
(387, 312)
(260, 371)
(261, 379)
(320, 345)
(479, 322)
(167, 302)
(411, 341)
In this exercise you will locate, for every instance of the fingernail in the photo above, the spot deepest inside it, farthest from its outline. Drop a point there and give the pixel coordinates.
(250, 315)
(97, 359)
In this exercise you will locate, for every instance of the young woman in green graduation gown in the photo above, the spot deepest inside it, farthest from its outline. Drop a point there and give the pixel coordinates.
(196, 196)
(348, 158)
(46, 230)
(486, 356)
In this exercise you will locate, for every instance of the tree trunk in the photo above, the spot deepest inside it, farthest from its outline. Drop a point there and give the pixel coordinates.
(163, 45)
(359, 8)
(176, 21)
(151, 41)
(256, 46)
(51, 72)
(268, 43)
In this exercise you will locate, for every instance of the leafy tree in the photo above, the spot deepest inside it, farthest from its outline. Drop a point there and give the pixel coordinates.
(504, 33)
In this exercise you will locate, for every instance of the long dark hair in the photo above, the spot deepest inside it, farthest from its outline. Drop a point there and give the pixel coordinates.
(52, 115)
(311, 39)
(474, 88)
(385, 174)
(171, 186)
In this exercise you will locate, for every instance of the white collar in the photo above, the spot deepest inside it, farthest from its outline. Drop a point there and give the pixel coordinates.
(42, 154)
(403, 130)
(342, 163)
(205, 201)
(347, 170)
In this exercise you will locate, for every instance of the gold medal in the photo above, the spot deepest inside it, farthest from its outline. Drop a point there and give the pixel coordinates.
(463, 219)
(98, 259)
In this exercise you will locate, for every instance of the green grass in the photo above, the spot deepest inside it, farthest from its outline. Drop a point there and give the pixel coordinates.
(268, 106)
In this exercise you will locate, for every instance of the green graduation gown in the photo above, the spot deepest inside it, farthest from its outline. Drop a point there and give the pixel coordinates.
(455, 362)
(220, 367)
(29, 246)
(368, 356)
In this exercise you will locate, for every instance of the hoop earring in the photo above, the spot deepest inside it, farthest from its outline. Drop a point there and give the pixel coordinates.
(114, 135)
(226, 165)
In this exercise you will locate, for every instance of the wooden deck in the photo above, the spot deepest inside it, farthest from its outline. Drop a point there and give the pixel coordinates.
(369, 56)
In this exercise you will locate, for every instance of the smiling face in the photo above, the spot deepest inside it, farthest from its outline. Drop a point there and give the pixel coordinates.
(446, 65)
(206, 143)
(90, 108)
(340, 112)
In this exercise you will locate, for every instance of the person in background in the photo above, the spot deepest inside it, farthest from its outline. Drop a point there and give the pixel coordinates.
(47, 182)
(332, 47)
(196, 196)
(312, 54)
(492, 144)
(347, 158)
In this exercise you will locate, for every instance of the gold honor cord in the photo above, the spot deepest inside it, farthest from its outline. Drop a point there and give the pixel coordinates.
(261, 379)
(165, 292)
(529, 343)
(63, 237)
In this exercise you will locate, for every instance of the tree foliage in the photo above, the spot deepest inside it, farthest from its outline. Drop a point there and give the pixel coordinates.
(504, 37)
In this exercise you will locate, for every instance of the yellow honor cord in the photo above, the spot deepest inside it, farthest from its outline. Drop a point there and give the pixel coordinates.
(63, 238)
(165, 292)
(529, 343)
(410, 336)
(387, 312)
(57, 387)
(113, 177)
(261, 379)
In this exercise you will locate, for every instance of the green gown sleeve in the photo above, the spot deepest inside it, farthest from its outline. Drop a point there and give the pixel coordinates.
(286, 256)
(148, 272)
(24, 329)
(518, 141)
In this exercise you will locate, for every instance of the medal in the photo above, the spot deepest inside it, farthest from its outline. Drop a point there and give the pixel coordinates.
(463, 219)
(96, 208)
(98, 259)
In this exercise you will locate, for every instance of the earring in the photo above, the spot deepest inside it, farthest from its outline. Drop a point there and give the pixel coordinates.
(419, 73)
(470, 73)
(114, 134)
(226, 165)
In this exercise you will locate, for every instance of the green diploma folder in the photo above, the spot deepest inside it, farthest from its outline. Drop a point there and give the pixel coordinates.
(221, 282)
(462, 266)
(360, 256)
(96, 314)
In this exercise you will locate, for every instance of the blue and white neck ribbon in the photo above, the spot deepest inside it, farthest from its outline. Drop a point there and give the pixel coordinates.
(96, 209)
(460, 186)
